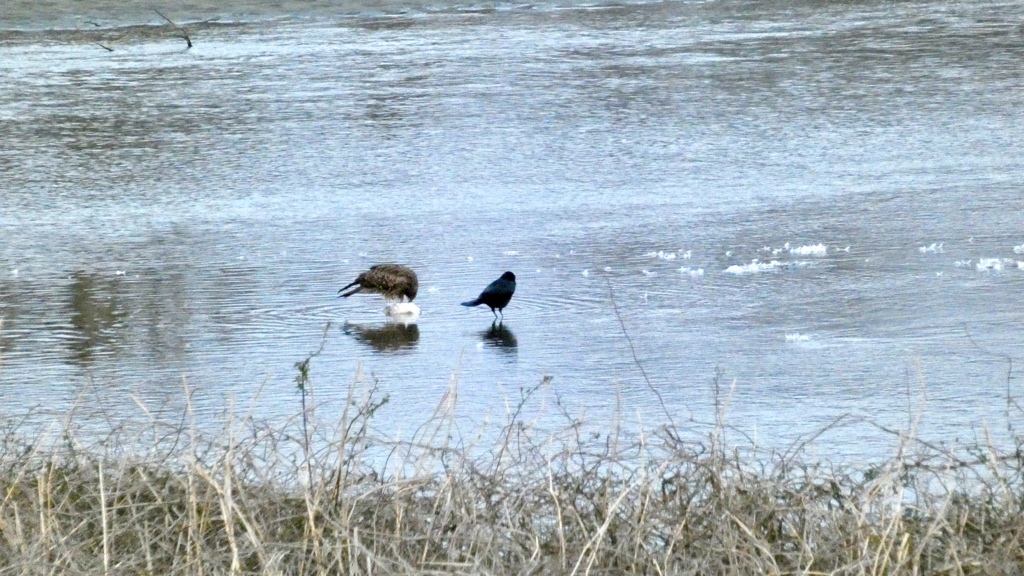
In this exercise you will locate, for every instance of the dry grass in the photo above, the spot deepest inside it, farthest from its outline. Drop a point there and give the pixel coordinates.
(313, 498)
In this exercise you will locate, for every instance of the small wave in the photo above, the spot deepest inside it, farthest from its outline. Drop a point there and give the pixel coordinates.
(933, 249)
(511, 253)
(797, 337)
(962, 263)
(661, 255)
(810, 250)
(757, 266)
(1018, 249)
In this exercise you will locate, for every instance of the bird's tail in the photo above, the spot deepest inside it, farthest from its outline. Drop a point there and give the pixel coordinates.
(472, 303)
(347, 294)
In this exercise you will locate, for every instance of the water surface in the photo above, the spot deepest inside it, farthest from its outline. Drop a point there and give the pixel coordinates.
(821, 203)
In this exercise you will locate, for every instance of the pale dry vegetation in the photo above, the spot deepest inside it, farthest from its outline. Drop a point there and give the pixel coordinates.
(172, 501)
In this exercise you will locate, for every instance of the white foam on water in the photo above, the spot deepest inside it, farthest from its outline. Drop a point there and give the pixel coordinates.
(586, 273)
(692, 272)
(992, 264)
(687, 255)
(403, 312)
(1018, 249)
(469, 258)
(753, 268)
(1020, 265)
(962, 263)
(607, 268)
(810, 250)
(797, 337)
(933, 249)
(511, 253)
(649, 273)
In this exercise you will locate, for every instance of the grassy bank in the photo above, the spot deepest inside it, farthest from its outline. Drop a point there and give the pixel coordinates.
(317, 498)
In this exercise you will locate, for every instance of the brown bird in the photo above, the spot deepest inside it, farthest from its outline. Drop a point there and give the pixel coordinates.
(393, 281)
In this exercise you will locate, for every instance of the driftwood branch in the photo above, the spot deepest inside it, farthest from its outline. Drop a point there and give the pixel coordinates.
(184, 33)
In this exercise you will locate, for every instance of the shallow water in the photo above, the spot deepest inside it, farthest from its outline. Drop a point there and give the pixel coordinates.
(822, 202)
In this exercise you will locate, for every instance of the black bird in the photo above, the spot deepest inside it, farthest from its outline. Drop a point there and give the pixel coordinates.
(393, 281)
(497, 294)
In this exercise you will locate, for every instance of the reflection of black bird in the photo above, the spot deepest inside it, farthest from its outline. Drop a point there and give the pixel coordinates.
(497, 294)
(391, 337)
(393, 281)
(500, 337)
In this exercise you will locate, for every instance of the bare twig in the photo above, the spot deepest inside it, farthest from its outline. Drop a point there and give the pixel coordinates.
(636, 360)
(1010, 400)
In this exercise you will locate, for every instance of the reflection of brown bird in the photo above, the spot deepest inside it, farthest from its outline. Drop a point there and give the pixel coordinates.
(393, 281)
(391, 337)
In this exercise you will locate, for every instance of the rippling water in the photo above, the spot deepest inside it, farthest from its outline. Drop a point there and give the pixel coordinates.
(822, 201)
